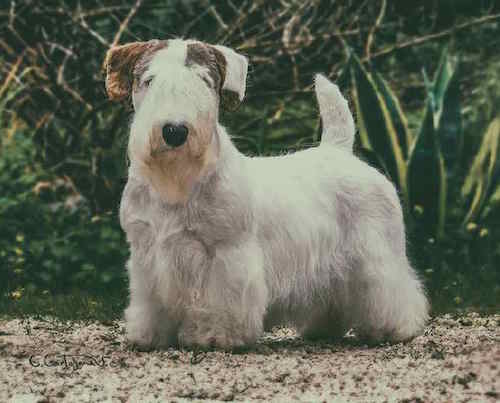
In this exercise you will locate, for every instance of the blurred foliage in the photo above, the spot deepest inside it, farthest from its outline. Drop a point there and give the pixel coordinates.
(483, 180)
(63, 144)
(50, 239)
(453, 213)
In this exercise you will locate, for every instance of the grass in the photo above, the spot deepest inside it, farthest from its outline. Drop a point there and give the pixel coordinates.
(83, 306)
(77, 305)
(474, 301)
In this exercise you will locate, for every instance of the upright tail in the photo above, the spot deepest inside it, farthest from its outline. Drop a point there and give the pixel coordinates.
(337, 120)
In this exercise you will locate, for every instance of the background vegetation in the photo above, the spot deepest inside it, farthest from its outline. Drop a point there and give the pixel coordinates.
(421, 77)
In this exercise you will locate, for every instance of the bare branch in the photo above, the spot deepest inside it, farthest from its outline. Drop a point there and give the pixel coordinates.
(81, 21)
(11, 75)
(212, 10)
(427, 38)
(125, 22)
(371, 35)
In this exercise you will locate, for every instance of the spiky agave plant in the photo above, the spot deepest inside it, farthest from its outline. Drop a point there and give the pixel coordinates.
(424, 166)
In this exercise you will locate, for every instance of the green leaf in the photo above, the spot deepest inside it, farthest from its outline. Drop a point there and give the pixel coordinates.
(483, 176)
(429, 87)
(445, 91)
(442, 78)
(362, 131)
(371, 158)
(450, 129)
(106, 277)
(344, 79)
(377, 129)
(87, 267)
(398, 117)
(426, 177)
(492, 206)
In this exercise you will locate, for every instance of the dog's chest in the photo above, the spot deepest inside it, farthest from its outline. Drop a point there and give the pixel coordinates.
(150, 223)
(145, 219)
(210, 218)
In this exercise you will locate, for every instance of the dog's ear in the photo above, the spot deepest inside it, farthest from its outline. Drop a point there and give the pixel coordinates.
(233, 68)
(120, 62)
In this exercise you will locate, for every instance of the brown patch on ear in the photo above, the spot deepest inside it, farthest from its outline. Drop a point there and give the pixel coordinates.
(220, 62)
(120, 64)
(204, 55)
(212, 58)
(229, 100)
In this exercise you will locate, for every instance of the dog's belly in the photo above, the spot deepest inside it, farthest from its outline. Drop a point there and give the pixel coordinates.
(298, 248)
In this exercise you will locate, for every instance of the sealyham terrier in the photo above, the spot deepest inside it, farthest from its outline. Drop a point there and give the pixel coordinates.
(224, 246)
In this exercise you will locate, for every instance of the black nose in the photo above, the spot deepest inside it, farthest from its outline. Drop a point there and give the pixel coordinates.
(174, 135)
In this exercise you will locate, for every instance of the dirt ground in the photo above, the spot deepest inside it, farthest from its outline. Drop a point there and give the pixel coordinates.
(455, 360)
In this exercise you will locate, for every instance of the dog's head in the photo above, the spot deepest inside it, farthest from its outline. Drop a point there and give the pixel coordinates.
(176, 87)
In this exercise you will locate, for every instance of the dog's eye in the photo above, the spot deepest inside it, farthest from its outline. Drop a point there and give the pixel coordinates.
(147, 82)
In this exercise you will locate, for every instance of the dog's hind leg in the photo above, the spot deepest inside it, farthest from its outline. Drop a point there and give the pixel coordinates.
(388, 301)
(391, 303)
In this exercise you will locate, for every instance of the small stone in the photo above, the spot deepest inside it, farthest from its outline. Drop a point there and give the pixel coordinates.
(465, 322)
(227, 396)
(174, 355)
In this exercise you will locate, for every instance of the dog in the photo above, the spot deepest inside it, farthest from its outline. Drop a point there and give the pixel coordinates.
(224, 246)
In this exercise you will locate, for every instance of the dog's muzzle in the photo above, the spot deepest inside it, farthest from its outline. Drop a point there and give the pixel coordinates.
(174, 135)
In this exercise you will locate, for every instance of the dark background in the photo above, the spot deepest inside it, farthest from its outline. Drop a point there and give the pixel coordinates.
(62, 150)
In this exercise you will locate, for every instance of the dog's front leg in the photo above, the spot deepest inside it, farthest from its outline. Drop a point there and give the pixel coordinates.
(147, 322)
(151, 319)
(230, 308)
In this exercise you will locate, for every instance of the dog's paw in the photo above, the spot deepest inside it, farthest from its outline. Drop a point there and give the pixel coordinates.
(142, 340)
(139, 339)
(196, 335)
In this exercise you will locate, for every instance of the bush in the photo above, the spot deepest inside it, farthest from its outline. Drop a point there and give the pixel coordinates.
(63, 165)
(58, 47)
(50, 239)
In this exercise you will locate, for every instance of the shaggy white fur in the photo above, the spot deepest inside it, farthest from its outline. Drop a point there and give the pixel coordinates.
(224, 246)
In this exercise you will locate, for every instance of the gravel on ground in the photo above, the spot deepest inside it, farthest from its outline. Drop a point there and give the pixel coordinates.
(457, 359)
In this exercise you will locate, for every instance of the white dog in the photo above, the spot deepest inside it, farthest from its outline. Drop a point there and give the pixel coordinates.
(224, 246)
